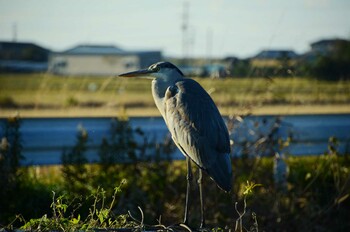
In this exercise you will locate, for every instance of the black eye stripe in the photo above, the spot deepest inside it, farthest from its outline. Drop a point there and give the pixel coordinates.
(156, 67)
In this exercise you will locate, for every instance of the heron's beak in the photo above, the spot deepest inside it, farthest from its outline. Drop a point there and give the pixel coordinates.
(138, 73)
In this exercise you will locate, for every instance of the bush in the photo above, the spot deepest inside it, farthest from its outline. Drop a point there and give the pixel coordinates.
(7, 102)
(74, 169)
(71, 101)
(10, 156)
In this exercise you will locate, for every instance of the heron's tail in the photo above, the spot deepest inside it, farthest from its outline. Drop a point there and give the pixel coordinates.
(221, 172)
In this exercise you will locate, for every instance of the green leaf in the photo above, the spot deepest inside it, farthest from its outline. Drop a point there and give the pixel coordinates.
(75, 221)
(249, 187)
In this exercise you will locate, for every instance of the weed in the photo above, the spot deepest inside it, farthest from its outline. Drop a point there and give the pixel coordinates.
(248, 190)
(100, 215)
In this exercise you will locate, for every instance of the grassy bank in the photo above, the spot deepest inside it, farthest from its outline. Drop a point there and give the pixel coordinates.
(35, 94)
(316, 194)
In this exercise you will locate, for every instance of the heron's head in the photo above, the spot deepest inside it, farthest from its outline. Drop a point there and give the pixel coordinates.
(161, 70)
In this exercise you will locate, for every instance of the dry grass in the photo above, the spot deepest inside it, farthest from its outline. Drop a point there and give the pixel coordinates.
(44, 94)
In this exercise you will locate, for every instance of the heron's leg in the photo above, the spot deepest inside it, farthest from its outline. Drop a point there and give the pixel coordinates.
(189, 179)
(201, 198)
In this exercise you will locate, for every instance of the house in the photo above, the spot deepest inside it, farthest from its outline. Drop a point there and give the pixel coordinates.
(326, 46)
(99, 60)
(274, 58)
(323, 47)
(22, 57)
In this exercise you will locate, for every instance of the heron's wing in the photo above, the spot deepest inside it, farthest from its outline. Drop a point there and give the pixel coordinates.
(197, 127)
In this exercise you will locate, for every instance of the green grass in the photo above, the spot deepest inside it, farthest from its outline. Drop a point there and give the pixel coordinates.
(45, 91)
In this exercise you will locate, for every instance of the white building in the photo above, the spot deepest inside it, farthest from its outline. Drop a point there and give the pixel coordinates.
(96, 60)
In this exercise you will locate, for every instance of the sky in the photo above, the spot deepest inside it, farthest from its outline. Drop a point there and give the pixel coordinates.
(215, 28)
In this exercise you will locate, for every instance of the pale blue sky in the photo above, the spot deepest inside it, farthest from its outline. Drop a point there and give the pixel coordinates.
(218, 28)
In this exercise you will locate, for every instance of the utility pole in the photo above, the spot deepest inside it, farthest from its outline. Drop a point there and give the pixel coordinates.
(185, 32)
(209, 45)
(14, 32)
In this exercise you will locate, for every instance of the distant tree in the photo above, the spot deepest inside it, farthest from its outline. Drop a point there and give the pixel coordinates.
(335, 65)
(243, 68)
(239, 68)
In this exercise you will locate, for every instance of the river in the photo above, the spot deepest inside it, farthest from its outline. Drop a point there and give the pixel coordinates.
(45, 139)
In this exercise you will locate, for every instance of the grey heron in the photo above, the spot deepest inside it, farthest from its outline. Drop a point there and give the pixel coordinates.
(195, 124)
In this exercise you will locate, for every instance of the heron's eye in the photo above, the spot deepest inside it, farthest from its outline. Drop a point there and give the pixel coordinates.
(155, 68)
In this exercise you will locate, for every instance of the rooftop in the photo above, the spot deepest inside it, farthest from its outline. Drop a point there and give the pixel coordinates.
(94, 49)
(276, 54)
(328, 42)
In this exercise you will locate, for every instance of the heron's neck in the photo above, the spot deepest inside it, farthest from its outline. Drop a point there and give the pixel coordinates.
(159, 87)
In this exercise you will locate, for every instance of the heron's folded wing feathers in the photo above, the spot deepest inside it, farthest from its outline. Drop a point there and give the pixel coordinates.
(195, 122)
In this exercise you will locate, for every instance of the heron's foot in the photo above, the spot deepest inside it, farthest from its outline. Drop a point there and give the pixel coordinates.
(203, 224)
(204, 229)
